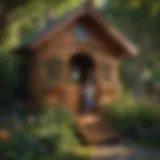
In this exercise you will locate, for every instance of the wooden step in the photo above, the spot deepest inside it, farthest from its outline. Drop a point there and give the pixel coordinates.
(94, 129)
(99, 136)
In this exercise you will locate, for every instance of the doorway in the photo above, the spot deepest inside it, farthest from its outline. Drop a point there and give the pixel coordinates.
(82, 70)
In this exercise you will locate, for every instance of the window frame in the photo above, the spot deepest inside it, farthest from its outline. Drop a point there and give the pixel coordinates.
(51, 74)
(106, 70)
(81, 33)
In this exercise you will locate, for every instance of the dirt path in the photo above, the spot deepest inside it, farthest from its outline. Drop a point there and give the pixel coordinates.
(124, 152)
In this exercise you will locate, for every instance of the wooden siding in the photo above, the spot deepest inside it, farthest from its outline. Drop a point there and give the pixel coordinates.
(63, 46)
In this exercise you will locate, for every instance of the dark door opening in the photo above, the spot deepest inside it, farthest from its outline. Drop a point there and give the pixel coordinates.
(82, 68)
(82, 73)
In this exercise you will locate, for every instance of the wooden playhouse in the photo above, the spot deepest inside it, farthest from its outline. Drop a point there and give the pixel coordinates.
(67, 51)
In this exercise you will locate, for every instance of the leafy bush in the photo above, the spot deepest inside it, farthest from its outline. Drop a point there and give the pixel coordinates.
(26, 147)
(45, 136)
(133, 118)
(7, 79)
(59, 121)
(150, 77)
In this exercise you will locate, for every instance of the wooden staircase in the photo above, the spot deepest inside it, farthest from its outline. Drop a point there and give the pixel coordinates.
(95, 130)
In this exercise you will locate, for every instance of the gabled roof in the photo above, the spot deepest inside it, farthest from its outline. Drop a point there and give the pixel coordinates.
(109, 31)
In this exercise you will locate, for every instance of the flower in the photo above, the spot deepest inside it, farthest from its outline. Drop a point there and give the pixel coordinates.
(4, 134)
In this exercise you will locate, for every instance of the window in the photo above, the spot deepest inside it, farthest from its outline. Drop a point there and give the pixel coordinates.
(106, 71)
(74, 76)
(81, 33)
(53, 70)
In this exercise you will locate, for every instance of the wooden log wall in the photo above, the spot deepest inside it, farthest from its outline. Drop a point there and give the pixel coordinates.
(63, 45)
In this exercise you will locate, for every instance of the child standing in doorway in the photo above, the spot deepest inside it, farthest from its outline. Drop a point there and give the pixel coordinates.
(89, 95)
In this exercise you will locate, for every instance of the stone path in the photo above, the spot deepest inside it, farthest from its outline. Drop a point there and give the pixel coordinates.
(124, 152)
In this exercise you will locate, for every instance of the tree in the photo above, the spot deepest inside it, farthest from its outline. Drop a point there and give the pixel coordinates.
(21, 14)
(139, 20)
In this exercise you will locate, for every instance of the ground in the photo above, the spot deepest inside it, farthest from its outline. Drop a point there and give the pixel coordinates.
(124, 151)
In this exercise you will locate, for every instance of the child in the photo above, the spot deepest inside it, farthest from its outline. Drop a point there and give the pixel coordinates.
(89, 92)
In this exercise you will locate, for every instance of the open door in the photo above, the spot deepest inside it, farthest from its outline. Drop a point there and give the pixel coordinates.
(82, 69)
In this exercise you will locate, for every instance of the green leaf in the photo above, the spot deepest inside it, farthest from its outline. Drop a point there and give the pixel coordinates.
(155, 8)
(135, 3)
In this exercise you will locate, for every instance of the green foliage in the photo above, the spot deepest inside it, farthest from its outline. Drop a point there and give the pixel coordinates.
(135, 19)
(134, 119)
(44, 136)
(150, 79)
(25, 147)
(59, 121)
(152, 6)
(8, 79)
(27, 17)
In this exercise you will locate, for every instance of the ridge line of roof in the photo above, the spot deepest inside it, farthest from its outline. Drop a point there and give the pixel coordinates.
(124, 42)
